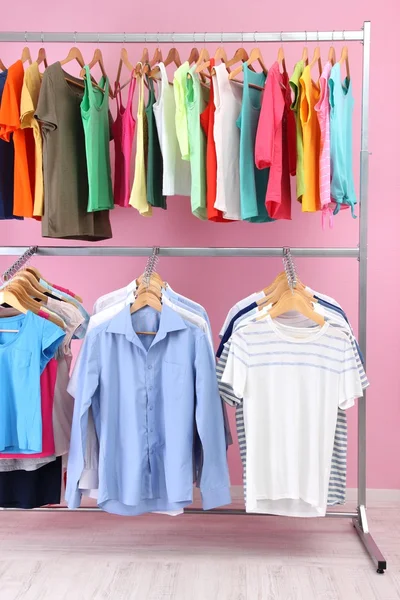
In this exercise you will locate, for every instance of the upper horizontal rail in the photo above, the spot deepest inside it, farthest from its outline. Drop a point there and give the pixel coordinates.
(175, 38)
(179, 252)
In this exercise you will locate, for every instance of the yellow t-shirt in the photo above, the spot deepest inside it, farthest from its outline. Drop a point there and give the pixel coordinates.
(138, 198)
(309, 97)
(29, 99)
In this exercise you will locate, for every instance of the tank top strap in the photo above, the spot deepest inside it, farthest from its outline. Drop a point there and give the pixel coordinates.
(164, 75)
(118, 98)
(132, 87)
(141, 95)
(88, 81)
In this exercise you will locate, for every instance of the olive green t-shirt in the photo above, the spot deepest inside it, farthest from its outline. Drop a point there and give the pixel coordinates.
(66, 190)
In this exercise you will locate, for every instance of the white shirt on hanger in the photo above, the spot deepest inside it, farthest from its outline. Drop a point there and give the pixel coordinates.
(228, 102)
(293, 380)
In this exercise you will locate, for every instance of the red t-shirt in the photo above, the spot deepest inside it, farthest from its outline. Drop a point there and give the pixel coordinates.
(276, 143)
(207, 122)
(47, 386)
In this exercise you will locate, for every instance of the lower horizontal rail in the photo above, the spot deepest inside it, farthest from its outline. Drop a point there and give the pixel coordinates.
(178, 252)
(187, 511)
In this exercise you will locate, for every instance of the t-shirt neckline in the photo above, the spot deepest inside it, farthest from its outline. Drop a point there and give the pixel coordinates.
(16, 336)
(285, 331)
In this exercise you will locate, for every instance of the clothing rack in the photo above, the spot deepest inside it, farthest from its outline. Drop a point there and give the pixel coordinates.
(359, 517)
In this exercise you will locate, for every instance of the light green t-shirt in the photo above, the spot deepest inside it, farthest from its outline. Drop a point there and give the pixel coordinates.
(196, 100)
(94, 111)
(295, 85)
(180, 78)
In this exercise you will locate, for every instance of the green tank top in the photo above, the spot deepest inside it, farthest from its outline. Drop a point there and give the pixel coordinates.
(253, 181)
(154, 173)
(94, 112)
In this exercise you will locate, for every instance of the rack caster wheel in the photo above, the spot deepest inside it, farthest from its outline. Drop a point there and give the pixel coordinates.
(380, 571)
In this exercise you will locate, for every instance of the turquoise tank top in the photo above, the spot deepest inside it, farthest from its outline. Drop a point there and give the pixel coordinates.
(253, 181)
(94, 111)
(341, 121)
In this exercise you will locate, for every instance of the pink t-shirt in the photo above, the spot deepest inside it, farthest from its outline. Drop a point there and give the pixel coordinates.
(272, 144)
(47, 386)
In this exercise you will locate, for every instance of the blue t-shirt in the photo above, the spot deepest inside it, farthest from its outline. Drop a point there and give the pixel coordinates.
(23, 357)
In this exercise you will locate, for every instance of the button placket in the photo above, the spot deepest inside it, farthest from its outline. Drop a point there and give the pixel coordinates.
(150, 404)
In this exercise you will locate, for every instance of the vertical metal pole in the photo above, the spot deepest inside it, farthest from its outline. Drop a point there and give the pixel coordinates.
(363, 224)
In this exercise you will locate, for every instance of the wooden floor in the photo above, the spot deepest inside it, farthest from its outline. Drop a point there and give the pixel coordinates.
(95, 556)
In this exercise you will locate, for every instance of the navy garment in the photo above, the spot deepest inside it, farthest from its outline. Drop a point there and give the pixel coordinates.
(229, 330)
(31, 489)
(6, 168)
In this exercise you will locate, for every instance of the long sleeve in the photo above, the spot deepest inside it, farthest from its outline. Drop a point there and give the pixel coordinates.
(88, 383)
(269, 124)
(214, 482)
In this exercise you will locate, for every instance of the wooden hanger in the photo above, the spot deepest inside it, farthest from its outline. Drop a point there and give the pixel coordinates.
(30, 304)
(73, 54)
(26, 55)
(280, 289)
(2, 66)
(42, 58)
(332, 55)
(25, 280)
(317, 59)
(147, 295)
(172, 57)
(97, 60)
(295, 301)
(304, 56)
(123, 60)
(344, 58)
(220, 55)
(281, 56)
(8, 296)
(37, 274)
(157, 58)
(255, 56)
(193, 56)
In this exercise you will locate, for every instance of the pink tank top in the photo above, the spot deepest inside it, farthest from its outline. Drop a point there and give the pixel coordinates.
(123, 132)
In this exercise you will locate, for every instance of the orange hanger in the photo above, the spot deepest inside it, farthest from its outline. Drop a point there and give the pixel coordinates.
(255, 56)
(26, 55)
(123, 60)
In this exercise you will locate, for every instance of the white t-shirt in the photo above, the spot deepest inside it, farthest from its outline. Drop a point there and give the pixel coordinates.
(228, 102)
(176, 172)
(292, 380)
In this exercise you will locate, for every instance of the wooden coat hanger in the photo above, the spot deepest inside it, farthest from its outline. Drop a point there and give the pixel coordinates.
(36, 273)
(332, 55)
(220, 56)
(123, 61)
(26, 55)
(255, 56)
(97, 60)
(193, 56)
(8, 296)
(172, 57)
(293, 300)
(280, 289)
(344, 58)
(304, 56)
(30, 304)
(157, 58)
(317, 58)
(42, 57)
(73, 54)
(25, 280)
(281, 56)
(2, 66)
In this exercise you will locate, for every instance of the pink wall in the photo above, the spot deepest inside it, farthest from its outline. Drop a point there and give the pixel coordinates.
(217, 283)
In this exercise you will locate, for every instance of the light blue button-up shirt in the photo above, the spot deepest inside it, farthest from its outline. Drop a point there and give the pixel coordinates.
(147, 394)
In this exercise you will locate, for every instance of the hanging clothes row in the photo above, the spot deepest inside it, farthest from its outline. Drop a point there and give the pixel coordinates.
(36, 329)
(231, 144)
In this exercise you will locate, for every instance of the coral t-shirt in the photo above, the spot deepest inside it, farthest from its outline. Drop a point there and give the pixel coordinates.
(207, 118)
(24, 144)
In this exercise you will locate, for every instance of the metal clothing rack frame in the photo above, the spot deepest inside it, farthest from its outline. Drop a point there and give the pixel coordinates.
(359, 517)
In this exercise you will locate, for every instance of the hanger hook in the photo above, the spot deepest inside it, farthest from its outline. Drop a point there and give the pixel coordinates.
(26, 37)
(242, 39)
(172, 37)
(74, 38)
(42, 37)
(222, 38)
(343, 35)
(306, 37)
(204, 42)
(98, 38)
(124, 38)
(317, 37)
(281, 40)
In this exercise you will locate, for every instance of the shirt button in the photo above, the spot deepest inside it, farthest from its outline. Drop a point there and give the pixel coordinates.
(150, 387)
(151, 451)
(151, 408)
(151, 430)
(150, 367)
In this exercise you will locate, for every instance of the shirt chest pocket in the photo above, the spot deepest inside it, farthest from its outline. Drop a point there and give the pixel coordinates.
(172, 381)
(20, 359)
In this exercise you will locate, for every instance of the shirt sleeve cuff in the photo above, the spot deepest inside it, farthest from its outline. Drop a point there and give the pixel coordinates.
(216, 497)
(73, 499)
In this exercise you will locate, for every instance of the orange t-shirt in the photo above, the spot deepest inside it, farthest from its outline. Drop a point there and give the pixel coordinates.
(207, 118)
(24, 144)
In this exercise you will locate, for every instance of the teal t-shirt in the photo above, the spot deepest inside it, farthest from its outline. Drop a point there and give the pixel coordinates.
(253, 181)
(23, 357)
(94, 111)
(341, 131)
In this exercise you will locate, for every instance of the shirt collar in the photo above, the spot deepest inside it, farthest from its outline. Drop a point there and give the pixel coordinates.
(169, 321)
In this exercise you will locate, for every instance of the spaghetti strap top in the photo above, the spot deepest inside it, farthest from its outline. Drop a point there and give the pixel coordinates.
(138, 198)
(94, 112)
(123, 132)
